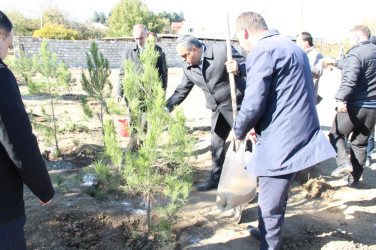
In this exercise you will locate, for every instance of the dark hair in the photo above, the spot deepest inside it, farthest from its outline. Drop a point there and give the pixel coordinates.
(362, 29)
(305, 36)
(251, 21)
(188, 41)
(5, 24)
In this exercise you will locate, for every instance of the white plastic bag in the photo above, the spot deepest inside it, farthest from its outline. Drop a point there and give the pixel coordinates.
(236, 185)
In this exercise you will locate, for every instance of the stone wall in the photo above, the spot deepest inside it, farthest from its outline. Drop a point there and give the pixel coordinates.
(72, 52)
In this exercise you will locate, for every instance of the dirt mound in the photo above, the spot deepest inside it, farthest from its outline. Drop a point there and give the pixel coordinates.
(317, 188)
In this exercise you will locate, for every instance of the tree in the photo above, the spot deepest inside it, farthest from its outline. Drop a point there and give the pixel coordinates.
(55, 16)
(46, 64)
(371, 24)
(23, 66)
(160, 168)
(173, 17)
(127, 13)
(95, 17)
(23, 26)
(97, 85)
(102, 18)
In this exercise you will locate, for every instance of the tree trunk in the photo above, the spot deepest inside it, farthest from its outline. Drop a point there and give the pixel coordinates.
(54, 120)
(148, 212)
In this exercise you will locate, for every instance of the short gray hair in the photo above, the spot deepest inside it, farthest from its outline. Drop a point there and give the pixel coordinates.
(140, 26)
(362, 29)
(188, 42)
(252, 21)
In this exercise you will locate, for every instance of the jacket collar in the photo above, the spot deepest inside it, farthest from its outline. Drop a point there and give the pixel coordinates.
(269, 33)
(135, 46)
(359, 44)
(2, 64)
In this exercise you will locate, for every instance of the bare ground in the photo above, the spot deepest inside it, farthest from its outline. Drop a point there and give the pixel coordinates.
(322, 212)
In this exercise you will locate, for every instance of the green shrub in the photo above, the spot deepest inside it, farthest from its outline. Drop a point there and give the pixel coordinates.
(54, 31)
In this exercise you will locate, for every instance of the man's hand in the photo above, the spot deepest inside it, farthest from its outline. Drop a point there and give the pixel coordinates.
(341, 107)
(327, 61)
(236, 140)
(44, 203)
(232, 67)
(252, 136)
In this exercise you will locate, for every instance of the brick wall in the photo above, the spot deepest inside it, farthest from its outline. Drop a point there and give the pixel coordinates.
(73, 51)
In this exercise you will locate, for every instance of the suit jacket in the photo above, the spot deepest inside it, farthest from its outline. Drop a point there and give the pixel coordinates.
(213, 79)
(131, 53)
(20, 159)
(279, 103)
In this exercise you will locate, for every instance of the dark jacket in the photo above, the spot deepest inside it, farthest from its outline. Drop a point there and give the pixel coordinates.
(358, 73)
(131, 53)
(279, 103)
(20, 158)
(213, 79)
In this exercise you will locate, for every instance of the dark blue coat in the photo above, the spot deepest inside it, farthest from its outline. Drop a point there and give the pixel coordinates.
(279, 103)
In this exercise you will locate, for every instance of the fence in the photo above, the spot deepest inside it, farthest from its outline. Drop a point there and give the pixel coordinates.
(72, 52)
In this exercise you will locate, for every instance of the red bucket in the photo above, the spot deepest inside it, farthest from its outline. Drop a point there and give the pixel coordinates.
(122, 127)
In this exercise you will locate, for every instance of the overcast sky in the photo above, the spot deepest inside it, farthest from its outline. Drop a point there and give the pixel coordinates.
(322, 18)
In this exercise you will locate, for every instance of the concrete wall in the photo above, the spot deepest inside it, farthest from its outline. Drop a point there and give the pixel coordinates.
(73, 51)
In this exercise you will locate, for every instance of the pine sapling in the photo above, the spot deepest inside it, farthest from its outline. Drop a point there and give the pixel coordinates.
(160, 168)
(46, 64)
(97, 84)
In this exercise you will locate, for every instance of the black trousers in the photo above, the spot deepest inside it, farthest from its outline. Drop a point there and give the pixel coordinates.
(360, 122)
(220, 129)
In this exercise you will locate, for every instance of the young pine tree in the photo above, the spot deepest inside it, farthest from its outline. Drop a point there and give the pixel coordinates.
(97, 84)
(46, 64)
(24, 67)
(160, 168)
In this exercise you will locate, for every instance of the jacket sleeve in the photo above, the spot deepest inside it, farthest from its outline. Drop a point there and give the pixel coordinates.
(241, 62)
(165, 69)
(350, 75)
(181, 92)
(259, 80)
(161, 64)
(19, 142)
(317, 70)
(119, 91)
(339, 63)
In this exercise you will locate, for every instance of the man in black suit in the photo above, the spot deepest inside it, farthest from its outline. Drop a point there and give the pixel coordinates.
(132, 53)
(20, 159)
(206, 66)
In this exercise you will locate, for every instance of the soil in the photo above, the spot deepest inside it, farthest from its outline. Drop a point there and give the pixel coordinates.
(322, 212)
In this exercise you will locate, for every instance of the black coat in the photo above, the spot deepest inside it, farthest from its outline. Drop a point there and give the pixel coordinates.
(358, 73)
(131, 53)
(20, 158)
(213, 79)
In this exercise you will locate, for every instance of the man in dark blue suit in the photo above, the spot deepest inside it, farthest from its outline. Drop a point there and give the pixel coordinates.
(279, 103)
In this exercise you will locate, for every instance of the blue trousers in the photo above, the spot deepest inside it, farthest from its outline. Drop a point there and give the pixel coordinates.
(272, 200)
(12, 235)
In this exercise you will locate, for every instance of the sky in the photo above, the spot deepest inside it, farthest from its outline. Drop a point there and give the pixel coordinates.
(328, 19)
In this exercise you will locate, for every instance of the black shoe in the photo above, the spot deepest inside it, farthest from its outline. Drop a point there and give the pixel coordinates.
(254, 231)
(352, 182)
(209, 185)
(342, 170)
